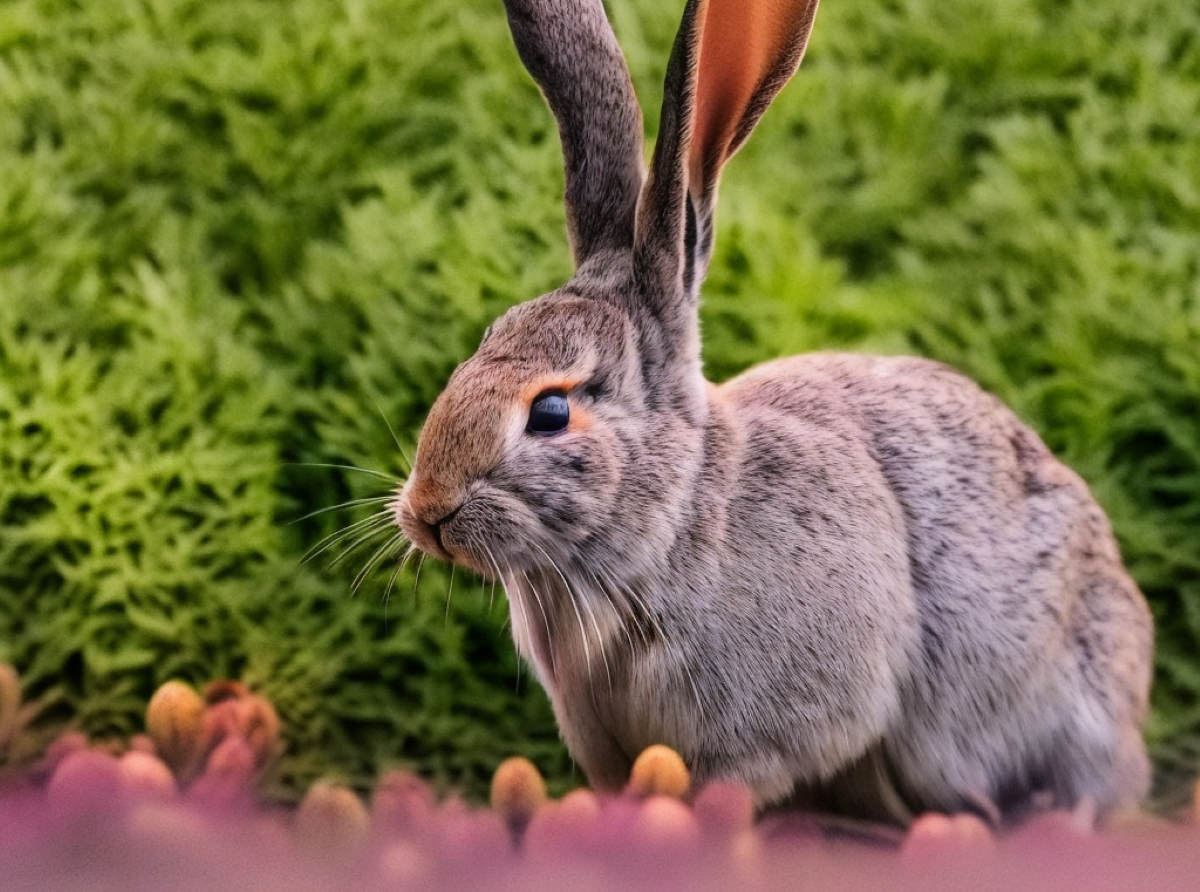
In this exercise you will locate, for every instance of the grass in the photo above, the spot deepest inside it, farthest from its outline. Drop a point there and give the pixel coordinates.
(239, 242)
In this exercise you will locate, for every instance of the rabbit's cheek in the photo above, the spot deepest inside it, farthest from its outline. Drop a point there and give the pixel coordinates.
(463, 538)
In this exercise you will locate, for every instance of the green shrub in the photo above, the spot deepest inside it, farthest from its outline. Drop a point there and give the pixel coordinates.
(240, 244)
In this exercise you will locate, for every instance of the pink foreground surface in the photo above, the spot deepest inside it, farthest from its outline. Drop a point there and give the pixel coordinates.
(105, 825)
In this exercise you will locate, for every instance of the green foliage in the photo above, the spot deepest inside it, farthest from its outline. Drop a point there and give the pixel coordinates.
(227, 234)
(242, 242)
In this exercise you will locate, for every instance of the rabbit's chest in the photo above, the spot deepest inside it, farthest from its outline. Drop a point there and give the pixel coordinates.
(613, 668)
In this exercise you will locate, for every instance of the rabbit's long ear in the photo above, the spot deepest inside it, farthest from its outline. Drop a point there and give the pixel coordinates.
(569, 48)
(730, 59)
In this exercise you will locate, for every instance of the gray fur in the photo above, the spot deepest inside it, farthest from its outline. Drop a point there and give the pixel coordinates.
(840, 580)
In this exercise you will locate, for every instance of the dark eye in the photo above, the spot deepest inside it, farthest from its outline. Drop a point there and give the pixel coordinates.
(549, 413)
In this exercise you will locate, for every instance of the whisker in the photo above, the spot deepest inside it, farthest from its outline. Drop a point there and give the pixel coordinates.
(450, 592)
(515, 602)
(353, 503)
(367, 534)
(612, 601)
(590, 609)
(491, 557)
(337, 535)
(646, 614)
(520, 659)
(368, 526)
(395, 439)
(635, 606)
(570, 596)
(483, 581)
(537, 597)
(408, 554)
(388, 549)
(387, 592)
(417, 577)
(391, 478)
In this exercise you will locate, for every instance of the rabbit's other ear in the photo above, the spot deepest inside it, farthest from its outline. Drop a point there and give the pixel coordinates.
(731, 58)
(570, 50)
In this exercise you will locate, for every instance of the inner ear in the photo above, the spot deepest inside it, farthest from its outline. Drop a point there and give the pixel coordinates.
(738, 46)
(748, 50)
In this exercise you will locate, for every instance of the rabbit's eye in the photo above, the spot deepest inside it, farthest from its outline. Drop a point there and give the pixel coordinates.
(549, 413)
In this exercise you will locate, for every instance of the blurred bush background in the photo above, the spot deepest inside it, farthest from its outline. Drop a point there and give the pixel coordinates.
(240, 240)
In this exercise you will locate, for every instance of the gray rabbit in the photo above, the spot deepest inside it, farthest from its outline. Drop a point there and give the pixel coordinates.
(852, 582)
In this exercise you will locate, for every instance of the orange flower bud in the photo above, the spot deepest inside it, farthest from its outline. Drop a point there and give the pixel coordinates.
(518, 791)
(173, 720)
(659, 771)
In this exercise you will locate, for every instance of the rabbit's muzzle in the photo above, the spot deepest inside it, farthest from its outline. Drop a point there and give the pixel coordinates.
(423, 518)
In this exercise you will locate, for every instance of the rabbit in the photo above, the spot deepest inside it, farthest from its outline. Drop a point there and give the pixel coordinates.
(849, 582)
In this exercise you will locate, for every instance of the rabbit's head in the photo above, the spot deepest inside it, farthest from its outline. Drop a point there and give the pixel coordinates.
(575, 432)
(544, 446)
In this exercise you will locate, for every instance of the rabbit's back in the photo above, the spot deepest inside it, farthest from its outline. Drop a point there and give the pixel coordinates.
(1032, 667)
